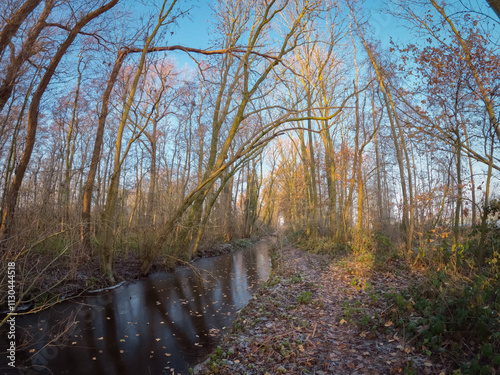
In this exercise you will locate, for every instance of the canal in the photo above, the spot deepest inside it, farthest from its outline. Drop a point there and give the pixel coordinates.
(162, 324)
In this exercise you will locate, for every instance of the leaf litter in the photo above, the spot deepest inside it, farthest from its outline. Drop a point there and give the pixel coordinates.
(320, 316)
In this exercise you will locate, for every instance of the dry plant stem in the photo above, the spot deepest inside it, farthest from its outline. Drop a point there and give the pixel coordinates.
(33, 282)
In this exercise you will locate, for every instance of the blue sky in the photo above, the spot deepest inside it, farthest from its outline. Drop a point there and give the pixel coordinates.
(194, 30)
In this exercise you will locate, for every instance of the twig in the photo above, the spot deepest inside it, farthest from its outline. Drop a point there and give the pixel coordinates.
(314, 331)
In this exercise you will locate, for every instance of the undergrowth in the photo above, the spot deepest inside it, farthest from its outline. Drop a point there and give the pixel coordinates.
(452, 312)
(456, 317)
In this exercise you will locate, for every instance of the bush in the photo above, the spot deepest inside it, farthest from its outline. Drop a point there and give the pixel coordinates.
(463, 317)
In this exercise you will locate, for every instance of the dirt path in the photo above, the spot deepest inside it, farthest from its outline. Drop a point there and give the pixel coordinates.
(318, 316)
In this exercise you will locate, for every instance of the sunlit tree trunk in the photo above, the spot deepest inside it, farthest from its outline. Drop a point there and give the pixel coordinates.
(270, 195)
(357, 162)
(399, 144)
(107, 250)
(227, 209)
(331, 180)
(330, 162)
(312, 167)
(239, 81)
(138, 190)
(307, 183)
(96, 154)
(251, 200)
(380, 223)
(410, 205)
(70, 150)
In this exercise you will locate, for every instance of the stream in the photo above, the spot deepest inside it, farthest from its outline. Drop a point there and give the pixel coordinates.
(162, 324)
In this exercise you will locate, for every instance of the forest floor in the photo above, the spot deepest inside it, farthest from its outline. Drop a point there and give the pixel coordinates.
(323, 315)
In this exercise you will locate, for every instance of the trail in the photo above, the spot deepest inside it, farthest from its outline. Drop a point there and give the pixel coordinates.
(319, 315)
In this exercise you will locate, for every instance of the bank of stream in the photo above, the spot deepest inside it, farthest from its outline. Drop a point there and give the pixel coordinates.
(162, 324)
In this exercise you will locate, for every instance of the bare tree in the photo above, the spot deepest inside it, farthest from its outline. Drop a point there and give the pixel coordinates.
(33, 112)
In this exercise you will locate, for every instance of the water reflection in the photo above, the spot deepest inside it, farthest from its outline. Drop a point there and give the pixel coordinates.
(160, 325)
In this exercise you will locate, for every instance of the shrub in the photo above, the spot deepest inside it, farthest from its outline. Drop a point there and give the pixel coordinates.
(444, 313)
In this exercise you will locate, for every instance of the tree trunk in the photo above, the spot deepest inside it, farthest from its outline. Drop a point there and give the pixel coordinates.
(94, 163)
(312, 167)
(27, 50)
(459, 197)
(150, 211)
(307, 183)
(12, 195)
(484, 218)
(14, 23)
(70, 151)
